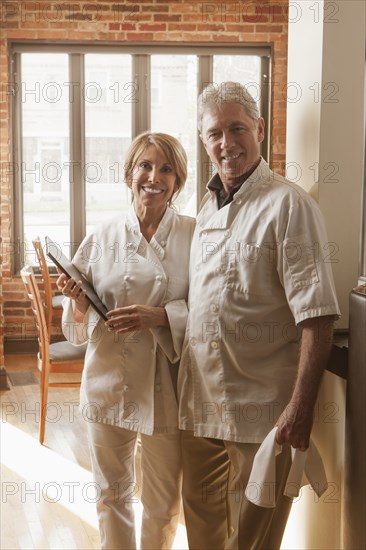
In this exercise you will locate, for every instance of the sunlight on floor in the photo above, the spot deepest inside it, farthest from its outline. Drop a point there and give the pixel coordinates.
(38, 479)
(47, 498)
(52, 477)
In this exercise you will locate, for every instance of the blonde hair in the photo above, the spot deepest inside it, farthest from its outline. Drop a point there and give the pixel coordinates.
(168, 145)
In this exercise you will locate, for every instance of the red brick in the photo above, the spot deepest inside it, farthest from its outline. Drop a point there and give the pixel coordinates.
(255, 17)
(9, 25)
(129, 7)
(51, 35)
(182, 27)
(128, 26)
(16, 312)
(212, 27)
(194, 7)
(168, 36)
(11, 297)
(269, 28)
(243, 27)
(155, 8)
(20, 34)
(140, 36)
(167, 18)
(152, 27)
(136, 17)
(226, 37)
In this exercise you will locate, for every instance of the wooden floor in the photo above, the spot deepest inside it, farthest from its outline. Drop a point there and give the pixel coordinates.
(47, 492)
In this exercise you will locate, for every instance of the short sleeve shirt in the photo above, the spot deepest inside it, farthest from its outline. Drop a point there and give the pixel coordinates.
(258, 268)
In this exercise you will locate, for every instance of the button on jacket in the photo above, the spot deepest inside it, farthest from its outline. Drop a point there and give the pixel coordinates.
(130, 379)
(259, 266)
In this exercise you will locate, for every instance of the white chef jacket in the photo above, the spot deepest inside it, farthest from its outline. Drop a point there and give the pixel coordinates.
(129, 380)
(258, 267)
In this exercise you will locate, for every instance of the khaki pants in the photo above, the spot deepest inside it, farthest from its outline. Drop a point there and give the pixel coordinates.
(254, 527)
(204, 491)
(218, 516)
(112, 452)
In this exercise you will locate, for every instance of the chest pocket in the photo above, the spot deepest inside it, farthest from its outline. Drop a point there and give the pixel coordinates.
(253, 269)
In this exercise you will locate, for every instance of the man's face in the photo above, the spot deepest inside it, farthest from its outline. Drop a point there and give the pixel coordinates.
(232, 140)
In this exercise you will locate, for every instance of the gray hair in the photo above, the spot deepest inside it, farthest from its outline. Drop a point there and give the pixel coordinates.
(230, 92)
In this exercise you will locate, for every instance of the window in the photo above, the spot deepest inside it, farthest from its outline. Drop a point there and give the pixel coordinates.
(177, 77)
(44, 166)
(108, 134)
(76, 110)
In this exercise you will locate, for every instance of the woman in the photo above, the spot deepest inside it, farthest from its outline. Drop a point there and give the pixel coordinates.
(138, 266)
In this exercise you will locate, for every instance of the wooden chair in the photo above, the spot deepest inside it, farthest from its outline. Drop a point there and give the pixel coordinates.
(53, 304)
(60, 357)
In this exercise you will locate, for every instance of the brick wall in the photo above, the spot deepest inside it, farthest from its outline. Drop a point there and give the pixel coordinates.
(147, 20)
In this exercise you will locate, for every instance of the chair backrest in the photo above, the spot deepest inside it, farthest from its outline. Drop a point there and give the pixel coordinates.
(46, 281)
(34, 296)
(53, 358)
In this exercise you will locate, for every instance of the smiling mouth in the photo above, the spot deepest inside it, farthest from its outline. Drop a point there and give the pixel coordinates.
(231, 157)
(152, 190)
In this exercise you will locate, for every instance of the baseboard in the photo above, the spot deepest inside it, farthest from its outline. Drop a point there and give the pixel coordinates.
(25, 345)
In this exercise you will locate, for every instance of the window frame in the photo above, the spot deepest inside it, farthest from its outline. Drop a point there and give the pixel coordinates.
(362, 255)
(141, 115)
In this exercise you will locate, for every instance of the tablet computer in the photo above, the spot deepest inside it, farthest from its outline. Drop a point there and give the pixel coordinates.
(55, 254)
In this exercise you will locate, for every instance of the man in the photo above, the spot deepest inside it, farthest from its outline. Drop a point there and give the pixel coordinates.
(261, 310)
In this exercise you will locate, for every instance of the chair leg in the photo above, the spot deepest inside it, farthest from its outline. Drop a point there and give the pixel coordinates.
(42, 420)
(43, 404)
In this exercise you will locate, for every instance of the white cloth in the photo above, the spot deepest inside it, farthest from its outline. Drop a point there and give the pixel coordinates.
(306, 465)
(130, 379)
(259, 266)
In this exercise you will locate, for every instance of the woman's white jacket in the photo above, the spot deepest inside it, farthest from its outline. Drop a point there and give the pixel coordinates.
(129, 380)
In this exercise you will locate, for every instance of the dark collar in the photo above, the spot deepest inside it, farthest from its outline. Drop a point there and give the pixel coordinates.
(215, 184)
(222, 198)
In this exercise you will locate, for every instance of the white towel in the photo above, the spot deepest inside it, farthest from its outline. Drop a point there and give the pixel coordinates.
(261, 485)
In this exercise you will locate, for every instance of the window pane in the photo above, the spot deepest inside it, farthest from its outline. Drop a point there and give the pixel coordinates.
(109, 99)
(173, 111)
(45, 148)
(245, 69)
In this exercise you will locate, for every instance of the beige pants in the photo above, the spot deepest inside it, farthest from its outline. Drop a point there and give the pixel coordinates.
(112, 452)
(204, 491)
(253, 527)
(218, 516)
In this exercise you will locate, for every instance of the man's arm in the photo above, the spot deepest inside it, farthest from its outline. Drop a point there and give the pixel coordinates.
(296, 421)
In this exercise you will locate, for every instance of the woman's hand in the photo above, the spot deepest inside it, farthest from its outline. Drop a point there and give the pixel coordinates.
(72, 289)
(136, 317)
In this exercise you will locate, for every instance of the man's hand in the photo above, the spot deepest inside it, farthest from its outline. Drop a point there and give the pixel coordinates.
(296, 421)
(294, 426)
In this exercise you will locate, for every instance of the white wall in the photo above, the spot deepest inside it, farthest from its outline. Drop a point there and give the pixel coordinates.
(341, 141)
(305, 47)
(325, 130)
(315, 523)
(325, 126)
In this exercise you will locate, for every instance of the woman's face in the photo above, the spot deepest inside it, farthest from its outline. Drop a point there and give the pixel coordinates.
(153, 179)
